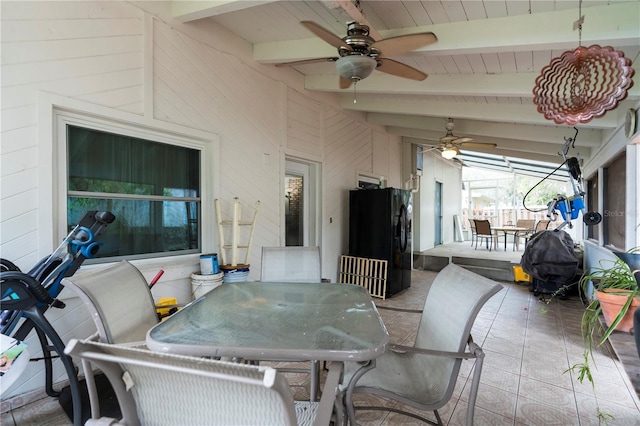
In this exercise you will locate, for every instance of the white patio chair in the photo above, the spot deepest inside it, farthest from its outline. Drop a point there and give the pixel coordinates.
(290, 264)
(164, 389)
(423, 376)
(119, 301)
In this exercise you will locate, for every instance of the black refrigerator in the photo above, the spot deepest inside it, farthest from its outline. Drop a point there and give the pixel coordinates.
(380, 228)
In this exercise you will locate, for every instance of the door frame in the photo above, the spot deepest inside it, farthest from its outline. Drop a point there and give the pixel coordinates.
(437, 213)
(310, 172)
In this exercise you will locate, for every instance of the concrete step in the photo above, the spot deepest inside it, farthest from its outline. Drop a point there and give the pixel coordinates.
(492, 273)
(500, 270)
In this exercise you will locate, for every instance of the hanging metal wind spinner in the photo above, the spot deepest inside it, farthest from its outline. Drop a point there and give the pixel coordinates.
(582, 84)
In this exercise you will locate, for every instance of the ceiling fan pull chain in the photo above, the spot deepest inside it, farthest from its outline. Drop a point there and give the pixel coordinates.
(355, 92)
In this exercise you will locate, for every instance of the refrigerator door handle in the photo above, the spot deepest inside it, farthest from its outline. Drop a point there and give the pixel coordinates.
(402, 228)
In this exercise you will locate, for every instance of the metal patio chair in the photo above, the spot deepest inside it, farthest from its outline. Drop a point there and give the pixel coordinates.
(423, 376)
(522, 223)
(484, 232)
(472, 226)
(119, 301)
(155, 388)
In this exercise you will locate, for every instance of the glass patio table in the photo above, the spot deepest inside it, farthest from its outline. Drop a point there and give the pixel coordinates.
(276, 322)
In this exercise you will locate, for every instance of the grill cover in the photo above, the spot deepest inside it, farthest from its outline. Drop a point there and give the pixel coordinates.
(549, 256)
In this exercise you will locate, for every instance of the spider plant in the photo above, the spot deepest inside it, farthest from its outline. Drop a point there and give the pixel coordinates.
(613, 277)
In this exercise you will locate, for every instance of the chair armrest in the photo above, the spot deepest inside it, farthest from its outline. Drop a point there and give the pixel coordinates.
(389, 308)
(103, 421)
(474, 351)
(139, 345)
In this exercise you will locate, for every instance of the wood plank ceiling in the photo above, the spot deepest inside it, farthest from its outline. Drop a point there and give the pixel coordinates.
(481, 71)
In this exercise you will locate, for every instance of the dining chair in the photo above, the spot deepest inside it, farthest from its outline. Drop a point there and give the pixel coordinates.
(290, 264)
(472, 226)
(423, 376)
(529, 224)
(541, 225)
(122, 308)
(156, 388)
(484, 232)
(119, 302)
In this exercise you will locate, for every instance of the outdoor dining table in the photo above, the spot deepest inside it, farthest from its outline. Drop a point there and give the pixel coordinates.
(277, 322)
(509, 230)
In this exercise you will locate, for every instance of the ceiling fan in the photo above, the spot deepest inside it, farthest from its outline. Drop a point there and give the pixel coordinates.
(449, 145)
(360, 54)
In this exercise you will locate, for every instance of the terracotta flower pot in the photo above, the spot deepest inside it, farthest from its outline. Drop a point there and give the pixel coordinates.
(611, 305)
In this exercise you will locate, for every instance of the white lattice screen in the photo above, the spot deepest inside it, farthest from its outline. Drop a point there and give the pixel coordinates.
(365, 272)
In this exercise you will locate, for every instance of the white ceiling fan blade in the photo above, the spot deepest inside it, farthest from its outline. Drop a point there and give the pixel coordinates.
(479, 144)
(462, 140)
(399, 69)
(396, 46)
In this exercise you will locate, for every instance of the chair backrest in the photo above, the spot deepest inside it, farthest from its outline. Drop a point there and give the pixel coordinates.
(483, 227)
(525, 223)
(472, 224)
(542, 225)
(290, 264)
(119, 301)
(164, 389)
(452, 304)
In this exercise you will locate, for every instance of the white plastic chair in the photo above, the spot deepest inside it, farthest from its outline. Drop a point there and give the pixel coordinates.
(164, 389)
(119, 301)
(423, 376)
(291, 264)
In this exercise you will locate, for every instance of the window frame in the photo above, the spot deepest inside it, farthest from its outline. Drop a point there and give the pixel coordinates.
(57, 112)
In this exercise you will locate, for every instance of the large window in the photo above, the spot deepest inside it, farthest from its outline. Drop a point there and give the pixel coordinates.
(153, 188)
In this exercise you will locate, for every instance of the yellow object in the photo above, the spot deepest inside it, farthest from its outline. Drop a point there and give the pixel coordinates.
(520, 275)
(170, 302)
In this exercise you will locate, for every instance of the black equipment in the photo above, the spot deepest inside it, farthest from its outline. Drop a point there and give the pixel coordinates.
(380, 228)
(28, 295)
(570, 207)
(550, 259)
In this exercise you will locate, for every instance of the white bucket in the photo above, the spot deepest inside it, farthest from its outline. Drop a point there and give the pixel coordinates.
(202, 284)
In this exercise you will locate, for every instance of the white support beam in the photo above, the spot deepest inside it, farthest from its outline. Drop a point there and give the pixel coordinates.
(350, 9)
(498, 85)
(186, 11)
(614, 24)
(503, 113)
(434, 127)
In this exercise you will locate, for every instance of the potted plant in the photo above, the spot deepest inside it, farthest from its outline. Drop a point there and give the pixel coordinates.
(613, 282)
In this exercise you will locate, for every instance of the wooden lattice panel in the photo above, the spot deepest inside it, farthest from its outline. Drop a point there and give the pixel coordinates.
(365, 272)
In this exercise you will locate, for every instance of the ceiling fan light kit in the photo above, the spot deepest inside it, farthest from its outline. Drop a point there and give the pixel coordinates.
(450, 152)
(355, 67)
